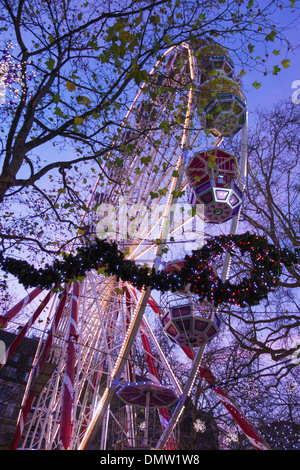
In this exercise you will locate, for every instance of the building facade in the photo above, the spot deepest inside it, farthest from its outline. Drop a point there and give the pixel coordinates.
(14, 375)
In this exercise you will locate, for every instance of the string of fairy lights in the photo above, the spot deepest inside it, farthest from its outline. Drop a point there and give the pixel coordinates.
(13, 77)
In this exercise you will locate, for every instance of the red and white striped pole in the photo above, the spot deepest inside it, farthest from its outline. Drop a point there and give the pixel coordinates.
(29, 400)
(68, 384)
(22, 420)
(4, 319)
(246, 427)
(52, 332)
(25, 328)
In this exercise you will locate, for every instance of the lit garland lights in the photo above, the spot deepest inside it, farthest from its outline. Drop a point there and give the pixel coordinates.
(197, 271)
(9, 73)
(12, 79)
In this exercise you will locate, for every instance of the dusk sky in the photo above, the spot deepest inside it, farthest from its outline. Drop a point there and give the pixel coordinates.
(275, 88)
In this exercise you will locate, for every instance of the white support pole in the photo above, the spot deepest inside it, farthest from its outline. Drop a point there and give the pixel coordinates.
(243, 170)
(101, 322)
(180, 406)
(146, 431)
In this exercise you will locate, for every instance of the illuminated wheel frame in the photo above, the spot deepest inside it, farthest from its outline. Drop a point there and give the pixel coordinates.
(98, 325)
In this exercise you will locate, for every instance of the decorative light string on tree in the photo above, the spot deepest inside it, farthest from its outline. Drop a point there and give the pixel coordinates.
(197, 271)
(13, 77)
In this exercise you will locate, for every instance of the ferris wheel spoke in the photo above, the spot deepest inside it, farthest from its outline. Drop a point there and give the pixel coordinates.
(14, 311)
(130, 336)
(185, 393)
(118, 369)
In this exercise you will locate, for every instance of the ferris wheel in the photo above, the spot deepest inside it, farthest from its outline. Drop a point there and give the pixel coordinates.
(100, 374)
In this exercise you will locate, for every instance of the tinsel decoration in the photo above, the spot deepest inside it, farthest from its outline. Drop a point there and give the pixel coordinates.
(197, 271)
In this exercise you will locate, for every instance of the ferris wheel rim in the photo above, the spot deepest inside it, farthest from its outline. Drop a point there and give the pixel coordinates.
(145, 296)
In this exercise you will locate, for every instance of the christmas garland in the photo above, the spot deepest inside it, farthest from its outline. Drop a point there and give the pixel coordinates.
(197, 271)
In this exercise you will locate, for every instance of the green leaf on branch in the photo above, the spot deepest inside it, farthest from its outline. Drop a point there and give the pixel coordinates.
(85, 101)
(56, 98)
(50, 63)
(164, 124)
(93, 45)
(58, 112)
(285, 63)
(256, 84)
(176, 194)
(78, 121)
(119, 291)
(155, 19)
(146, 160)
(271, 35)
(71, 86)
(119, 162)
(168, 40)
(276, 69)
(163, 191)
(139, 76)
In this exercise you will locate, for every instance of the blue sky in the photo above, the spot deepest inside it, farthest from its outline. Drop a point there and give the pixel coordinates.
(275, 88)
